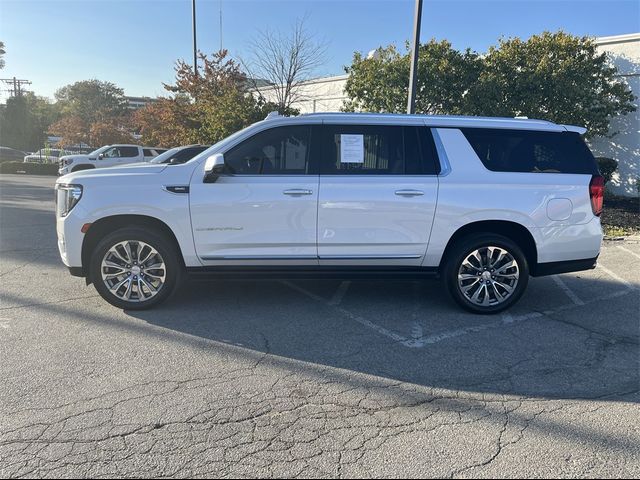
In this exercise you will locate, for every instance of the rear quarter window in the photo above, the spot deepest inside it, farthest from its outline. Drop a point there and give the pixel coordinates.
(527, 151)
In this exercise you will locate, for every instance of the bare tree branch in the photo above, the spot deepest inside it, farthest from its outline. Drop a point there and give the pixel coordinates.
(285, 62)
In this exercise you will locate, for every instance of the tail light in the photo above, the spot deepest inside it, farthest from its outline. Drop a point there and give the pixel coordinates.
(596, 193)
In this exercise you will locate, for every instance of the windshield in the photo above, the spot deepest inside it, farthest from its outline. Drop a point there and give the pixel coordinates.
(215, 146)
(98, 151)
(163, 157)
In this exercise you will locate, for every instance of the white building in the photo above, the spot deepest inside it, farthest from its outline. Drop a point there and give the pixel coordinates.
(624, 146)
(319, 95)
(327, 95)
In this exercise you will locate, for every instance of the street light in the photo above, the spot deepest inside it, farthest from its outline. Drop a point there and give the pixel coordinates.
(411, 103)
(195, 50)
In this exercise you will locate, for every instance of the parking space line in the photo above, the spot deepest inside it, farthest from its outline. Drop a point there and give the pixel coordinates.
(628, 284)
(340, 293)
(563, 286)
(628, 251)
(363, 321)
(420, 340)
(416, 331)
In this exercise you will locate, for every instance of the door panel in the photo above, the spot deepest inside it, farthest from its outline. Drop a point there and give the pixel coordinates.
(264, 207)
(378, 192)
(254, 218)
(369, 218)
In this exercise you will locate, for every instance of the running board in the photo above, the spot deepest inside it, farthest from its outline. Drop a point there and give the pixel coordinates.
(304, 271)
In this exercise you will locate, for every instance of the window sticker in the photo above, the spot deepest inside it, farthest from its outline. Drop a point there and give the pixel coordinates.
(351, 148)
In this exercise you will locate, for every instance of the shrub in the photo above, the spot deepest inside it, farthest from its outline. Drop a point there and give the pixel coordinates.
(607, 167)
(29, 168)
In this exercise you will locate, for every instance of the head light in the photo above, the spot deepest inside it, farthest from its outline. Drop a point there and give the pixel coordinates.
(67, 196)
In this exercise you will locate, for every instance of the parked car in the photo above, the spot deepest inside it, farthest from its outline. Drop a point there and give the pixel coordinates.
(108, 156)
(44, 155)
(8, 154)
(482, 203)
(179, 154)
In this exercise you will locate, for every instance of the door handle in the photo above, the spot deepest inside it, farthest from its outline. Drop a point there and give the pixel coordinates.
(297, 191)
(409, 193)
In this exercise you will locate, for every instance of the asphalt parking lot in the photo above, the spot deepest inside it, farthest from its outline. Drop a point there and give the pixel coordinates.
(310, 378)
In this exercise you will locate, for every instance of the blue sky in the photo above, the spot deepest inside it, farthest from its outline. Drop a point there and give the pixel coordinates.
(134, 43)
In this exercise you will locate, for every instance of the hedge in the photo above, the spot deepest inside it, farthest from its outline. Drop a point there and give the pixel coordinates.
(29, 168)
(607, 167)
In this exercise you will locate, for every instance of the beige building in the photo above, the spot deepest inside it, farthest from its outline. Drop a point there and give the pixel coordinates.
(327, 95)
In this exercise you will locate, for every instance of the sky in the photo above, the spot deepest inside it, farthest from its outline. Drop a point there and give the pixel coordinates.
(135, 43)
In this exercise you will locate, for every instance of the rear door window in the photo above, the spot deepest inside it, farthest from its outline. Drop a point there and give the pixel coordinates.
(377, 150)
(527, 151)
(128, 152)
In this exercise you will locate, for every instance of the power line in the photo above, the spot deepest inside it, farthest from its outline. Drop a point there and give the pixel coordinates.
(16, 84)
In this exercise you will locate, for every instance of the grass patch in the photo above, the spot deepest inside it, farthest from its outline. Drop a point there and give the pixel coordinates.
(29, 168)
(621, 215)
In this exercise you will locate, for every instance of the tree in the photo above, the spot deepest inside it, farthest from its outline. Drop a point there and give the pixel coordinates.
(2, 52)
(93, 112)
(552, 76)
(203, 108)
(285, 62)
(380, 83)
(24, 121)
(92, 100)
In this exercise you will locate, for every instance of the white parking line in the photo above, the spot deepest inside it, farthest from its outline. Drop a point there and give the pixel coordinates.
(628, 251)
(363, 321)
(416, 331)
(563, 286)
(629, 285)
(419, 339)
(340, 293)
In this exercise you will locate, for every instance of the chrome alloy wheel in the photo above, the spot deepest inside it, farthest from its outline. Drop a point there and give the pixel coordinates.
(488, 276)
(133, 271)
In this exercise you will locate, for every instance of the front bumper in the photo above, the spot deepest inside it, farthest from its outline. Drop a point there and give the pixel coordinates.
(70, 239)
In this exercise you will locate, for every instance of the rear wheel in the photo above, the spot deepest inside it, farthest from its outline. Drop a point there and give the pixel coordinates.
(486, 273)
(135, 269)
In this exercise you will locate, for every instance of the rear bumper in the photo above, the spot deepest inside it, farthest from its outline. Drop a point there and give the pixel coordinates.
(552, 268)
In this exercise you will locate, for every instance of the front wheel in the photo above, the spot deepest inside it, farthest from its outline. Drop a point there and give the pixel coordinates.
(486, 273)
(135, 269)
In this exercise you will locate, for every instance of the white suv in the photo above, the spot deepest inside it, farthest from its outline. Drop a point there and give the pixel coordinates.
(481, 202)
(108, 156)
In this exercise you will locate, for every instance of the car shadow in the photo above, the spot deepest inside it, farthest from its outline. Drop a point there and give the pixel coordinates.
(410, 331)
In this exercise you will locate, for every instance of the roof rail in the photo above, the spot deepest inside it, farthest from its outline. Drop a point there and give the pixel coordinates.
(271, 115)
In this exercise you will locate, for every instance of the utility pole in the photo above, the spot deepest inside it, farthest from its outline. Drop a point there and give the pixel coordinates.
(16, 85)
(411, 103)
(195, 48)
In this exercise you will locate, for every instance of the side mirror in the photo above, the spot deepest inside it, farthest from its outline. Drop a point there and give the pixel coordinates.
(101, 156)
(213, 167)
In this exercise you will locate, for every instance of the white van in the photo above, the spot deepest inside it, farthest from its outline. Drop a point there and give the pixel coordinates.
(480, 202)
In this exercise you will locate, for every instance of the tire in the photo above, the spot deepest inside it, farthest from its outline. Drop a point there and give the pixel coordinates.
(468, 272)
(141, 287)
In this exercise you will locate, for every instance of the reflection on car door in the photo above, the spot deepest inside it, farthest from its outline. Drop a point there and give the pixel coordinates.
(378, 192)
(264, 206)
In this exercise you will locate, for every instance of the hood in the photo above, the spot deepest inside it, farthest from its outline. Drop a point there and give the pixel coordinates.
(76, 157)
(132, 169)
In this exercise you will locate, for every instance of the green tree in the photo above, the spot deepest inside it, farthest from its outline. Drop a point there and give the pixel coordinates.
(92, 100)
(551, 76)
(88, 103)
(203, 108)
(381, 83)
(24, 121)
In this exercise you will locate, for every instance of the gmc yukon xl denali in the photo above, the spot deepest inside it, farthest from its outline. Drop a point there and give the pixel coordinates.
(483, 203)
